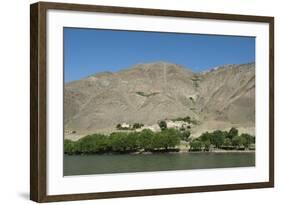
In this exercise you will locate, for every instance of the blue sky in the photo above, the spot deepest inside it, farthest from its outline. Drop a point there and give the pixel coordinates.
(89, 51)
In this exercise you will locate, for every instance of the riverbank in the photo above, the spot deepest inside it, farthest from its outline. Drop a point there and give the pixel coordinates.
(186, 151)
(224, 151)
(167, 152)
(165, 141)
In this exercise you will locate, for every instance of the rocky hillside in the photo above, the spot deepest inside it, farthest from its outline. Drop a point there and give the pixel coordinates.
(146, 93)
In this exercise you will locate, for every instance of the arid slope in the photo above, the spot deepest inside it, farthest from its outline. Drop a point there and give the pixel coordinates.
(146, 93)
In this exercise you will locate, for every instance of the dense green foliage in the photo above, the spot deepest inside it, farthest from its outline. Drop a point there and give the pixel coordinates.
(92, 144)
(163, 141)
(137, 125)
(232, 133)
(222, 140)
(227, 142)
(196, 145)
(184, 135)
(163, 125)
(69, 146)
(217, 138)
(124, 142)
(186, 119)
(133, 127)
(166, 139)
(145, 139)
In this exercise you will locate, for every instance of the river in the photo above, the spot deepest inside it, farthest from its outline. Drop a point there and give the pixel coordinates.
(105, 164)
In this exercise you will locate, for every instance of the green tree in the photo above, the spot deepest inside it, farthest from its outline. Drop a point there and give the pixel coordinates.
(145, 139)
(137, 125)
(163, 125)
(217, 138)
(166, 139)
(196, 145)
(185, 135)
(187, 119)
(101, 143)
(92, 144)
(157, 141)
(206, 144)
(205, 136)
(238, 141)
(131, 141)
(117, 141)
(171, 138)
(69, 146)
(232, 133)
(227, 142)
(247, 140)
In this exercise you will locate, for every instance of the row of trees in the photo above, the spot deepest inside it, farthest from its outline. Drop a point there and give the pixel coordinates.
(135, 126)
(185, 119)
(163, 141)
(222, 140)
(126, 142)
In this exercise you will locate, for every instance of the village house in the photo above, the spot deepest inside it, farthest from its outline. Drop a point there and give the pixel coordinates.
(125, 125)
(178, 124)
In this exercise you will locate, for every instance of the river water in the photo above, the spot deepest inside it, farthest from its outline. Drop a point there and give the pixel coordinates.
(124, 163)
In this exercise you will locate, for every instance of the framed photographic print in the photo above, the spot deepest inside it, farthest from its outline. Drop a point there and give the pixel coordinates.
(134, 102)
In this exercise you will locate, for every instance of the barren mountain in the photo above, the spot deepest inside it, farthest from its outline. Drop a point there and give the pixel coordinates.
(146, 93)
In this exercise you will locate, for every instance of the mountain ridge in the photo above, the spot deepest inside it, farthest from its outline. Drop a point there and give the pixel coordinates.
(150, 92)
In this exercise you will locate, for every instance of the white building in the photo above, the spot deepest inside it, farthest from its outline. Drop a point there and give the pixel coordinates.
(178, 124)
(125, 125)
